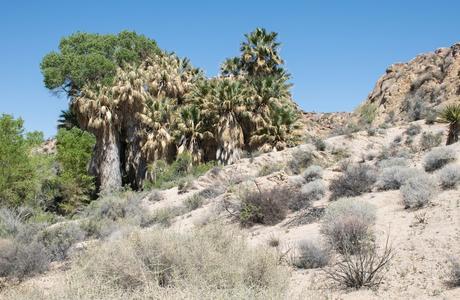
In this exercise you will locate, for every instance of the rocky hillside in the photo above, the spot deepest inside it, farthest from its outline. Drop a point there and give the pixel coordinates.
(410, 91)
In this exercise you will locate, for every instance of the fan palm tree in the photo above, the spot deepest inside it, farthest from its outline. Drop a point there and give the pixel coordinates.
(260, 53)
(283, 131)
(451, 115)
(67, 120)
(192, 132)
(231, 67)
(96, 112)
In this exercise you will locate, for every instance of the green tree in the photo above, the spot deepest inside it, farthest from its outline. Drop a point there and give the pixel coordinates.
(88, 59)
(17, 176)
(74, 149)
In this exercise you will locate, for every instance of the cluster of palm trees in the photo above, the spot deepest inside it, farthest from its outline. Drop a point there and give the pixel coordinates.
(164, 107)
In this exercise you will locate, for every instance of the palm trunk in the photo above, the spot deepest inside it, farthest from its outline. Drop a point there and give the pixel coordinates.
(106, 161)
(454, 131)
(230, 140)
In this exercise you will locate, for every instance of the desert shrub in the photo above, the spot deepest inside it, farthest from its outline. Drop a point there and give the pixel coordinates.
(211, 262)
(313, 173)
(311, 191)
(391, 178)
(273, 241)
(354, 181)
(431, 116)
(438, 158)
(269, 169)
(371, 131)
(213, 191)
(413, 129)
(310, 255)
(367, 113)
(164, 216)
(193, 202)
(393, 151)
(301, 159)
(184, 184)
(449, 176)
(59, 238)
(415, 109)
(104, 216)
(418, 191)
(394, 161)
(12, 220)
(430, 140)
(22, 259)
(319, 144)
(347, 224)
(397, 139)
(454, 272)
(265, 206)
(363, 268)
(155, 196)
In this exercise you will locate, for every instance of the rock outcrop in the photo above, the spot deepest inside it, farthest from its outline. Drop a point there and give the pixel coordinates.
(412, 90)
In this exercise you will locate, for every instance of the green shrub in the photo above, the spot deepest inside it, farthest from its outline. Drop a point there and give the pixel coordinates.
(367, 113)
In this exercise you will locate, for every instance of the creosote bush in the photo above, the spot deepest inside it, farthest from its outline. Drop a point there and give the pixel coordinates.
(354, 181)
(449, 176)
(310, 255)
(418, 191)
(347, 224)
(438, 158)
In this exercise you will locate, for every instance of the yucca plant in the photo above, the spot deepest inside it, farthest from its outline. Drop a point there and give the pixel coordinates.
(451, 115)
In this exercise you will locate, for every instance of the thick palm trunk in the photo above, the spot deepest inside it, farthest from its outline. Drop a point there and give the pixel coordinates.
(230, 141)
(454, 131)
(106, 161)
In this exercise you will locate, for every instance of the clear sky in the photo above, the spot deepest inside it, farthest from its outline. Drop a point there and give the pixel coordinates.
(335, 50)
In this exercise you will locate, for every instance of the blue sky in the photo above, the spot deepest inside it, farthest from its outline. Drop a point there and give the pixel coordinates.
(335, 50)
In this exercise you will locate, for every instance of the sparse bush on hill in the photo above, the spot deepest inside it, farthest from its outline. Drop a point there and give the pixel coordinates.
(211, 262)
(363, 268)
(347, 224)
(449, 176)
(430, 140)
(438, 158)
(193, 202)
(310, 255)
(301, 159)
(454, 272)
(60, 238)
(391, 178)
(313, 173)
(319, 143)
(309, 192)
(265, 206)
(269, 169)
(354, 181)
(394, 161)
(418, 191)
(413, 129)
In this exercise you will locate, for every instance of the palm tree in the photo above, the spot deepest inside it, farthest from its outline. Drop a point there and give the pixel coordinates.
(260, 53)
(231, 67)
(67, 120)
(283, 131)
(192, 132)
(96, 112)
(451, 114)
